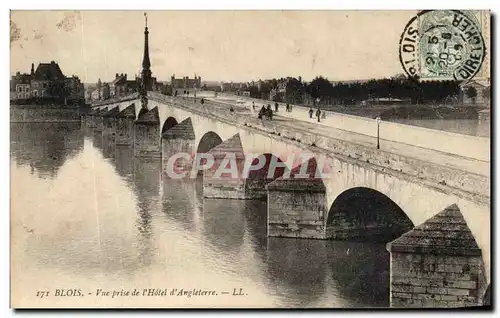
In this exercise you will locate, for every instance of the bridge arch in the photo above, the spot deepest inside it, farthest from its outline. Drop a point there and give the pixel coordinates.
(208, 141)
(256, 180)
(169, 123)
(365, 214)
(142, 112)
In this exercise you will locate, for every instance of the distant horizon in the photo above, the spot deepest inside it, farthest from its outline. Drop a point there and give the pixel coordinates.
(204, 81)
(264, 79)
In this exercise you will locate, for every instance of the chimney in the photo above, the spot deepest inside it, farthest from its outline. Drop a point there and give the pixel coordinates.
(32, 68)
(116, 76)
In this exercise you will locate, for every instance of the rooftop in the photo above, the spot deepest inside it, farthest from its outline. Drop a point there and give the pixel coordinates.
(48, 72)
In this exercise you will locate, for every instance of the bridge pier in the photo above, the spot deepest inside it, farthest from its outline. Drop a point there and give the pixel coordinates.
(258, 178)
(296, 206)
(109, 123)
(99, 119)
(83, 120)
(89, 118)
(437, 264)
(147, 134)
(125, 126)
(178, 139)
(224, 178)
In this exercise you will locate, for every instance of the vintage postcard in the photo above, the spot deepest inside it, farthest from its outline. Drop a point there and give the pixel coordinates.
(250, 159)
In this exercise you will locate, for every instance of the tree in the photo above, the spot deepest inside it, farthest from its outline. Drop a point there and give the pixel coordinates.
(319, 87)
(254, 92)
(294, 91)
(274, 83)
(487, 93)
(471, 92)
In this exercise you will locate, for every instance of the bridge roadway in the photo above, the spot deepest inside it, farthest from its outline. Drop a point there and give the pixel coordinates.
(284, 118)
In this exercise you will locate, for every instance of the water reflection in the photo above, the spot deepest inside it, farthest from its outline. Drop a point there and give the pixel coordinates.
(124, 160)
(181, 203)
(129, 221)
(471, 127)
(360, 272)
(108, 146)
(45, 147)
(255, 214)
(147, 178)
(298, 269)
(97, 139)
(224, 225)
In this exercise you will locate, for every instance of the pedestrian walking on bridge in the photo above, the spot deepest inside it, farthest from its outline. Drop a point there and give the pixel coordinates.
(276, 105)
(318, 114)
(311, 111)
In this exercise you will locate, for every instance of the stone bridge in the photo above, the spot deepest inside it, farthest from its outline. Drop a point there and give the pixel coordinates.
(432, 204)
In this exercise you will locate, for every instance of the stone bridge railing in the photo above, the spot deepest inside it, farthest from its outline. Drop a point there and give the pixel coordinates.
(440, 176)
(115, 100)
(462, 145)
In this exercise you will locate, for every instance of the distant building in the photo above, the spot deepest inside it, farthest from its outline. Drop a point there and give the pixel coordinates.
(287, 90)
(185, 82)
(47, 82)
(482, 88)
(234, 87)
(100, 92)
(105, 91)
(120, 86)
(74, 88)
(21, 86)
(226, 87)
(95, 95)
(88, 96)
(211, 86)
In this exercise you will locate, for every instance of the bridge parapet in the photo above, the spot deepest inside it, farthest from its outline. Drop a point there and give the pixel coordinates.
(115, 100)
(442, 176)
(462, 145)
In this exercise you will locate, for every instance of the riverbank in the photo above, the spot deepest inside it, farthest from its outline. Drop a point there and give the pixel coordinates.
(44, 113)
(392, 112)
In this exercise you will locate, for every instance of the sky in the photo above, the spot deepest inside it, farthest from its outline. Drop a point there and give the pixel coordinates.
(216, 45)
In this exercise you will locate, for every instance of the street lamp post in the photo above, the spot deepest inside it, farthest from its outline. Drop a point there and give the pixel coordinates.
(378, 119)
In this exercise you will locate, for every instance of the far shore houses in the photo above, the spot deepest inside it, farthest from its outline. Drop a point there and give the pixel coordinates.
(46, 84)
(120, 86)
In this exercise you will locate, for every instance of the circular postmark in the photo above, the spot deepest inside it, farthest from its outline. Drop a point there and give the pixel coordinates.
(442, 45)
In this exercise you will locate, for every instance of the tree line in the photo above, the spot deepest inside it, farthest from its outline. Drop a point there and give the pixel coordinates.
(350, 93)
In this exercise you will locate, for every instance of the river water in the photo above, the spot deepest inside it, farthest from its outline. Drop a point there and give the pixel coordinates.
(472, 127)
(87, 215)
